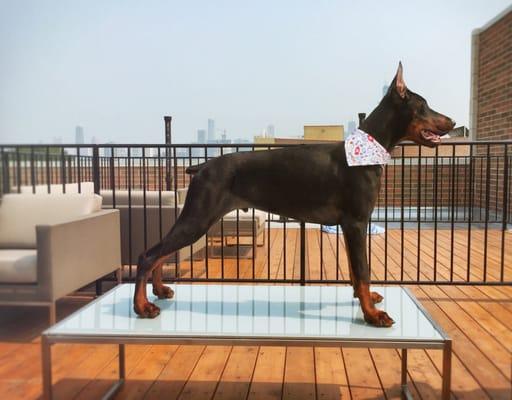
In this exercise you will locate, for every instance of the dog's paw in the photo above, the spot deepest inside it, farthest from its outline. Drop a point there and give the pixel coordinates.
(163, 292)
(147, 310)
(376, 297)
(379, 318)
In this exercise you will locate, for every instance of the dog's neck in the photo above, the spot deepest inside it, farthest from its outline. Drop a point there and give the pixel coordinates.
(385, 125)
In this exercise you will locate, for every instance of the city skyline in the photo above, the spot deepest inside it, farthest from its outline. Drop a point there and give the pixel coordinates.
(201, 136)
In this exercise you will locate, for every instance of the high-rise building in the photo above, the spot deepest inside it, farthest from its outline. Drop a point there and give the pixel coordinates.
(270, 131)
(79, 135)
(201, 136)
(211, 129)
(351, 127)
(224, 140)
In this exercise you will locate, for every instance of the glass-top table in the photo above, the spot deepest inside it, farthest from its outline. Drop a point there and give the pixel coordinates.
(251, 315)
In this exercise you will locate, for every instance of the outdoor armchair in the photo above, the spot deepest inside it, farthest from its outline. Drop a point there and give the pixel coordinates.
(53, 244)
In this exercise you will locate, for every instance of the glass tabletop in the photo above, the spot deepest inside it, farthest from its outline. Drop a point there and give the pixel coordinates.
(251, 311)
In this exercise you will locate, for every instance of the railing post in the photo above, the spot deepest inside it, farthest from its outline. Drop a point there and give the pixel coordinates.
(505, 190)
(6, 180)
(168, 141)
(362, 117)
(302, 253)
(504, 211)
(96, 180)
(96, 169)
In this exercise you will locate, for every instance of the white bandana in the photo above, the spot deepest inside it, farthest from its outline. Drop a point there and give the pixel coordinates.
(363, 149)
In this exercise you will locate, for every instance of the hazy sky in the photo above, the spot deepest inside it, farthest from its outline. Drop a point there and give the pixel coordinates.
(116, 67)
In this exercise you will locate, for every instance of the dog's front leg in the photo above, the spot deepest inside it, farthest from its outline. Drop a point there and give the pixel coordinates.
(376, 297)
(355, 242)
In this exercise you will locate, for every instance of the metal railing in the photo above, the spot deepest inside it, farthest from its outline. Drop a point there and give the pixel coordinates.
(448, 207)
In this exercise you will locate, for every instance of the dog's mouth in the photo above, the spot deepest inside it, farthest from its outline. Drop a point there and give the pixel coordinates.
(431, 137)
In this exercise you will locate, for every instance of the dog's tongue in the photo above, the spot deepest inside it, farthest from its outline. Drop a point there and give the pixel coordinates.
(430, 136)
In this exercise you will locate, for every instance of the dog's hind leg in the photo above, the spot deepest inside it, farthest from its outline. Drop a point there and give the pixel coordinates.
(193, 222)
(159, 289)
(355, 244)
(148, 261)
(184, 233)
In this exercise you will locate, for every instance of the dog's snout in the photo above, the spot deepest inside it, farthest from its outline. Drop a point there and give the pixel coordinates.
(452, 122)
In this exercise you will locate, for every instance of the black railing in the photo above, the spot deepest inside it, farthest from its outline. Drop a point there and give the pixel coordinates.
(445, 213)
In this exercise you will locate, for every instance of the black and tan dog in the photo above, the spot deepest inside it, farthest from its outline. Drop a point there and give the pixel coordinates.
(311, 183)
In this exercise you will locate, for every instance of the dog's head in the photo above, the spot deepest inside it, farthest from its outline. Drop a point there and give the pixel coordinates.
(421, 124)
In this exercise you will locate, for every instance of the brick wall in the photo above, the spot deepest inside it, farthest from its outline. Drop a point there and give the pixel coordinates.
(423, 186)
(494, 80)
(492, 103)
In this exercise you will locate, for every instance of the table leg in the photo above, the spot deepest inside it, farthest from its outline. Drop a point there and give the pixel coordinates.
(406, 394)
(447, 369)
(46, 357)
(404, 367)
(122, 373)
(122, 368)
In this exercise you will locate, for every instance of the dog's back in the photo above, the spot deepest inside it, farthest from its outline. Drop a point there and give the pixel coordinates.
(297, 182)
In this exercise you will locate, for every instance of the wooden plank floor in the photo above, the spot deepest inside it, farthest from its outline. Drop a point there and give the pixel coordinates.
(326, 257)
(478, 318)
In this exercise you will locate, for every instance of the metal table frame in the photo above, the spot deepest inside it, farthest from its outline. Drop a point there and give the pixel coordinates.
(48, 339)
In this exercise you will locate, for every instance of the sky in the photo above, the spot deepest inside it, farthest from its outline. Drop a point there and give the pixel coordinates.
(117, 67)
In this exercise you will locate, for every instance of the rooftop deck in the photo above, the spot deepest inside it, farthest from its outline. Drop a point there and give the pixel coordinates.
(478, 318)
(386, 252)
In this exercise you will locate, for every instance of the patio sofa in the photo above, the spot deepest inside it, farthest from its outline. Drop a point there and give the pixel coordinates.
(160, 212)
(160, 217)
(54, 244)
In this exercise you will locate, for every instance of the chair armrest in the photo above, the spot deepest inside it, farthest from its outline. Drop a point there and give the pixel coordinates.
(74, 253)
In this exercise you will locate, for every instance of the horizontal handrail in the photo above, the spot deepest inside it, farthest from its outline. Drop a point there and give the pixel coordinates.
(230, 145)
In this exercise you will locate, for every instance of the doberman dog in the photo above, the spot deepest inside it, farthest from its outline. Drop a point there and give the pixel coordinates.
(310, 183)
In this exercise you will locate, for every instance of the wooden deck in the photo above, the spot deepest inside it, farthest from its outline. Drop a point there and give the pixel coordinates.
(322, 264)
(479, 319)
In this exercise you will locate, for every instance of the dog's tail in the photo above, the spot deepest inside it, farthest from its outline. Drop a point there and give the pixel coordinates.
(194, 169)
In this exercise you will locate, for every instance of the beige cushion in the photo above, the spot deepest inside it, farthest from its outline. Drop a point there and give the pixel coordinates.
(18, 266)
(20, 213)
(259, 216)
(137, 197)
(85, 188)
(244, 226)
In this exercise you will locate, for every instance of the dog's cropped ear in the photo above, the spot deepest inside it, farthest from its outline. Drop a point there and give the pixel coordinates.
(399, 81)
